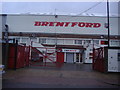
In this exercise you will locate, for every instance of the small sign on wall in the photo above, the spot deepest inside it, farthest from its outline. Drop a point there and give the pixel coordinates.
(70, 50)
(104, 42)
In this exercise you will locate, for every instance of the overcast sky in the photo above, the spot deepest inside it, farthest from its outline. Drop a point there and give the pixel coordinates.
(74, 8)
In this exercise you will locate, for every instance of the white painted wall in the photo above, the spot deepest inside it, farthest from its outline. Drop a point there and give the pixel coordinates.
(87, 51)
(114, 29)
(65, 57)
(119, 62)
(25, 23)
(0, 27)
(113, 63)
(119, 26)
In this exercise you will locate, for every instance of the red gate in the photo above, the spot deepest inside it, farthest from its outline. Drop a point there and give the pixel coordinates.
(44, 56)
(98, 60)
(22, 56)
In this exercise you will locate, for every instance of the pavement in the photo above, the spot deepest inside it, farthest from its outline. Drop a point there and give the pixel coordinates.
(67, 76)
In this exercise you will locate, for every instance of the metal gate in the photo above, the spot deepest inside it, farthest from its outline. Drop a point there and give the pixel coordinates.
(18, 56)
(44, 56)
(98, 60)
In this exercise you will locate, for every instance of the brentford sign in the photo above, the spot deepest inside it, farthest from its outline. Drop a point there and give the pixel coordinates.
(68, 24)
(70, 50)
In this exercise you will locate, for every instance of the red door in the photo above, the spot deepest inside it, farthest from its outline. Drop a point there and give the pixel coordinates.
(60, 57)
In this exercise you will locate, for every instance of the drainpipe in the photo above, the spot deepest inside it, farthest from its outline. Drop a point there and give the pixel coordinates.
(6, 46)
(108, 23)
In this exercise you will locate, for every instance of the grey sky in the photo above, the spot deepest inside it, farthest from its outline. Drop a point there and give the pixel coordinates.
(61, 7)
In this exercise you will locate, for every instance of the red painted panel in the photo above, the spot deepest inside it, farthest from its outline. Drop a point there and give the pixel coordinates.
(60, 57)
(104, 42)
(11, 56)
(98, 60)
(27, 50)
(22, 56)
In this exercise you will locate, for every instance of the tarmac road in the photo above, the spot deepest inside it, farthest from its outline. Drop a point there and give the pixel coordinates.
(68, 76)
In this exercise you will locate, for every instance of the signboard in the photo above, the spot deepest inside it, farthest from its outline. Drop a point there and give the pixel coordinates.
(63, 24)
(66, 24)
(70, 50)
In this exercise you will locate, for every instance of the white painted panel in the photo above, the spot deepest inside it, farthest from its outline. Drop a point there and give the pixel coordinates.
(60, 41)
(35, 44)
(70, 50)
(74, 57)
(68, 42)
(114, 29)
(0, 27)
(70, 57)
(118, 60)
(113, 60)
(88, 60)
(51, 41)
(64, 57)
(25, 23)
(87, 51)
